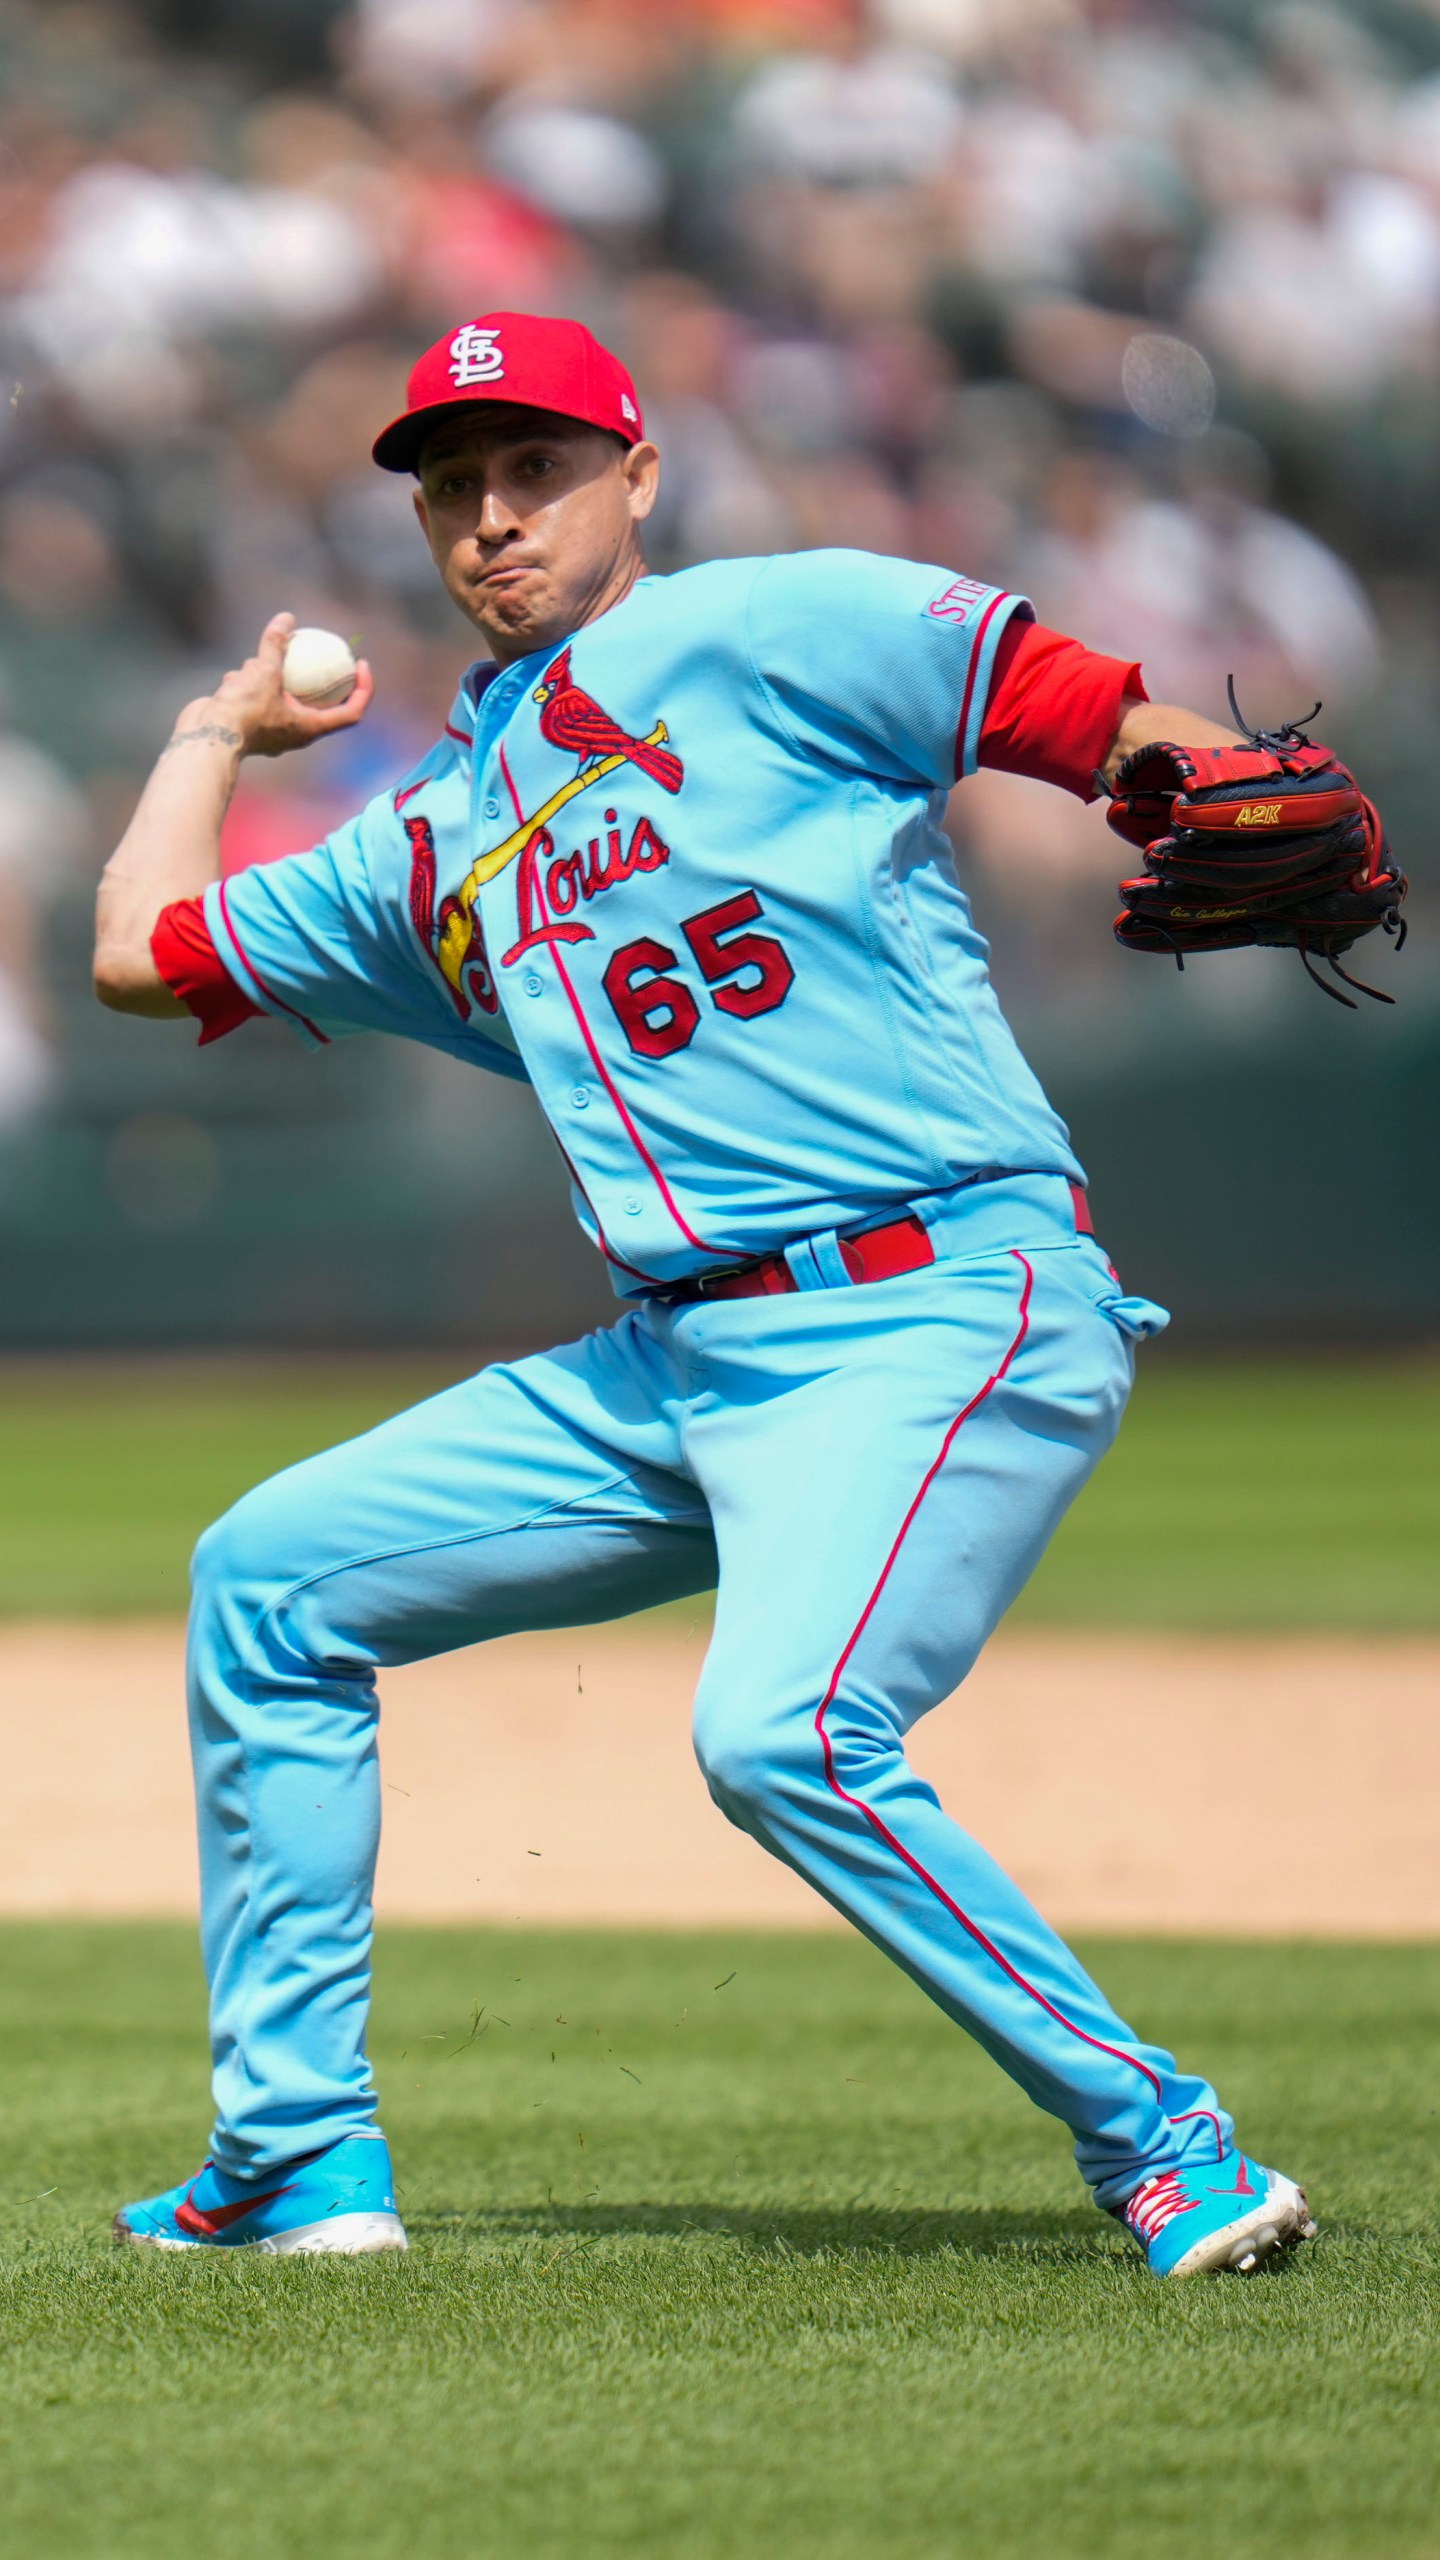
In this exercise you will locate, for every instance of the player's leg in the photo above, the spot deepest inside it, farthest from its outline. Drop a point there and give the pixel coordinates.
(539, 1494)
(885, 1466)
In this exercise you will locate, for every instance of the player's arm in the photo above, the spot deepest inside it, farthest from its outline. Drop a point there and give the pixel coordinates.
(1145, 724)
(1069, 715)
(171, 848)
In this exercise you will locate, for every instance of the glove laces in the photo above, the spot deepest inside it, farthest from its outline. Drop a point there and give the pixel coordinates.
(1275, 742)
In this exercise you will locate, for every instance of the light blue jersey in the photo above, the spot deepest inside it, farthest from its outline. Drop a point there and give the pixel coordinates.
(689, 874)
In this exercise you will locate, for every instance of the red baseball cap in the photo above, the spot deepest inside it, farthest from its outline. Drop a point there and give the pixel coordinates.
(515, 356)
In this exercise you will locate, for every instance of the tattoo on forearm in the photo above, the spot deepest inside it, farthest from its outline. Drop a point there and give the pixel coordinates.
(211, 732)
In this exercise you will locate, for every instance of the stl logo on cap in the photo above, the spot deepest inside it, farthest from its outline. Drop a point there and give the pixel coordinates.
(475, 356)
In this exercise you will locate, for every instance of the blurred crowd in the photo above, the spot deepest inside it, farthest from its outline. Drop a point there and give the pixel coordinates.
(1131, 304)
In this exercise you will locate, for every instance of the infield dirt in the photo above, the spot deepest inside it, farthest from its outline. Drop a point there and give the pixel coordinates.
(1131, 1782)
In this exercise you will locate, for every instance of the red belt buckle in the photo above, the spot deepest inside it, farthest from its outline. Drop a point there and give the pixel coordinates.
(768, 1278)
(877, 1253)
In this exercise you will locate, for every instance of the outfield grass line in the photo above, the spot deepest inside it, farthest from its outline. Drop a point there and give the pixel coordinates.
(1241, 1493)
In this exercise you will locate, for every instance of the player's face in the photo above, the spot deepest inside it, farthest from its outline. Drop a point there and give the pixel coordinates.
(532, 522)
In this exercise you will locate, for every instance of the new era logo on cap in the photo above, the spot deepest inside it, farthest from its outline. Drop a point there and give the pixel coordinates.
(523, 359)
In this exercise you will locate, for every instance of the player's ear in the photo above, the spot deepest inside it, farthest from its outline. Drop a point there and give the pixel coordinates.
(641, 469)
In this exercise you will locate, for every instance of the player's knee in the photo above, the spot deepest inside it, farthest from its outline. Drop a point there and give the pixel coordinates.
(750, 1758)
(240, 1560)
(772, 1755)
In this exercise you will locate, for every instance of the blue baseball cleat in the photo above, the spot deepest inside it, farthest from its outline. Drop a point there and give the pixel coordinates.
(335, 2203)
(1229, 2213)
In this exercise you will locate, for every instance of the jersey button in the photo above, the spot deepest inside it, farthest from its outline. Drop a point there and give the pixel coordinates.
(531, 984)
(580, 1097)
(632, 1205)
(492, 808)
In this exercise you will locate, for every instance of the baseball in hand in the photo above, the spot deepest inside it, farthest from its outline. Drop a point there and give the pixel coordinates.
(319, 668)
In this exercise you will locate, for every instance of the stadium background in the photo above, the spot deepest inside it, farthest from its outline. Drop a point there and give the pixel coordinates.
(1134, 306)
(727, 2246)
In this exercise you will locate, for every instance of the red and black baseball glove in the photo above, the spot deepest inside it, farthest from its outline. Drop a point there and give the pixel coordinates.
(1272, 843)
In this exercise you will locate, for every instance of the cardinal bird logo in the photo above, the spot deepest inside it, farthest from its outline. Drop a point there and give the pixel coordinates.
(570, 719)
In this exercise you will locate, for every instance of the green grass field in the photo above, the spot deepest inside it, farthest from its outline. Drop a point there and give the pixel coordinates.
(725, 2248)
(1241, 1494)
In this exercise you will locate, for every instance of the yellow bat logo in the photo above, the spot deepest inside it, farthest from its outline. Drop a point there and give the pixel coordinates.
(501, 854)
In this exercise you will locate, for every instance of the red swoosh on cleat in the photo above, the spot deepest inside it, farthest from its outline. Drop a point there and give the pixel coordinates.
(204, 2226)
(1242, 2187)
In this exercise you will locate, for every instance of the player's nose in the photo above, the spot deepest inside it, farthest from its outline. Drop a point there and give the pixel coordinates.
(497, 518)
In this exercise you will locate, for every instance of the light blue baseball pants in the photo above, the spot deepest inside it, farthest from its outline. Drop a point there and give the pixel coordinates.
(870, 1472)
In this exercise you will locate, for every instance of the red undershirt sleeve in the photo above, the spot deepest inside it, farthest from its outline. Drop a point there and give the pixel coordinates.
(193, 970)
(1054, 707)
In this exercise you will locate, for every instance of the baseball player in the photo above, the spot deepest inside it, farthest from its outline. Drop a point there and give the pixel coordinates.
(678, 860)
